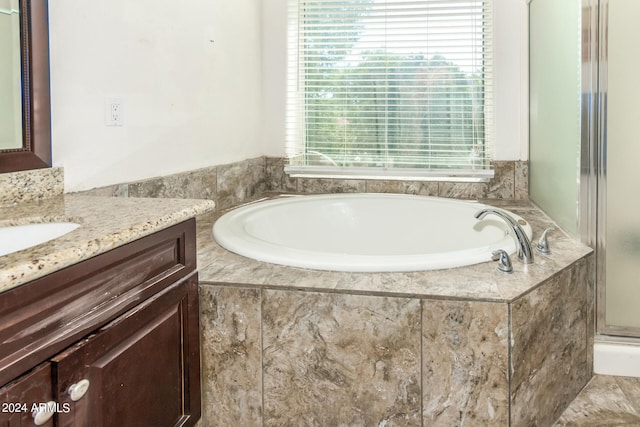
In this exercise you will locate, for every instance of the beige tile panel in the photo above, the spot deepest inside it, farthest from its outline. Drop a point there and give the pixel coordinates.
(340, 360)
(465, 363)
(231, 356)
(549, 347)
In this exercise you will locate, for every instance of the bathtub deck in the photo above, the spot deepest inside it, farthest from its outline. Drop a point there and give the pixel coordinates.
(479, 282)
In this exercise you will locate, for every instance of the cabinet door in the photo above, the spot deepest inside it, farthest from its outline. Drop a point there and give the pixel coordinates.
(28, 400)
(143, 369)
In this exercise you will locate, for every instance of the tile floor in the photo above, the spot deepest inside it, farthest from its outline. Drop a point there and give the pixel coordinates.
(605, 401)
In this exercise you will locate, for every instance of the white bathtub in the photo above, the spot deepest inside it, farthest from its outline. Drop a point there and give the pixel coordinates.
(364, 232)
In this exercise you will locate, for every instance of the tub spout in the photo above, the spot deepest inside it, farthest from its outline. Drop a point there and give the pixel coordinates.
(523, 244)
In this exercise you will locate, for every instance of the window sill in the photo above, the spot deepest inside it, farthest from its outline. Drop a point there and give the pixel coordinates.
(409, 174)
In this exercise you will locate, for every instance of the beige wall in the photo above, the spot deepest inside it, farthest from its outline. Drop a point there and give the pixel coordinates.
(188, 75)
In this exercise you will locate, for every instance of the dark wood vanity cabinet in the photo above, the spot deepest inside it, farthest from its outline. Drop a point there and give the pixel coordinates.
(111, 341)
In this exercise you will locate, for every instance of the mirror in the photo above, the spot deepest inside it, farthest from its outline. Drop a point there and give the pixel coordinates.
(25, 110)
(10, 98)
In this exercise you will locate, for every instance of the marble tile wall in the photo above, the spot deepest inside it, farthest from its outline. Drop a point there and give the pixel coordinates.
(293, 357)
(552, 345)
(231, 349)
(228, 185)
(239, 182)
(465, 378)
(510, 182)
(340, 360)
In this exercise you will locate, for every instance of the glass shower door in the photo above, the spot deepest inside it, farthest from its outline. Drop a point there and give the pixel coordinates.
(621, 167)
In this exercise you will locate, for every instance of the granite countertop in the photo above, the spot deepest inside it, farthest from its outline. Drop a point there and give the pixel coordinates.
(105, 223)
(476, 282)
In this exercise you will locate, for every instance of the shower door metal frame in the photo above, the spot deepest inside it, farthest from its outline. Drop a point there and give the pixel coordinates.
(590, 123)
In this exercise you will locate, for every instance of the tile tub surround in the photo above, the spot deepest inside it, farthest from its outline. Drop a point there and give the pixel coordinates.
(227, 185)
(466, 346)
(231, 184)
(510, 182)
(105, 223)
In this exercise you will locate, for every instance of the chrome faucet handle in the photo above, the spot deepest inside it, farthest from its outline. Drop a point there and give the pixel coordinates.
(504, 261)
(543, 242)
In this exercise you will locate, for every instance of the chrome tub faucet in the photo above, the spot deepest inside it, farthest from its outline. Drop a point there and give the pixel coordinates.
(523, 244)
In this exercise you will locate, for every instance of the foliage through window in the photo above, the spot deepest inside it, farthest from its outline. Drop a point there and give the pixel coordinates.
(390, 87)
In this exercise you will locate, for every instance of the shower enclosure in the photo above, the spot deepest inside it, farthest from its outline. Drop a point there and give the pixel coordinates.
(619, 186)
(585, 128)
(610, 188)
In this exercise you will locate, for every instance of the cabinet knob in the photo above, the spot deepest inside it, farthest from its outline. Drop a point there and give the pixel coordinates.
(43, 413)
(78, 390)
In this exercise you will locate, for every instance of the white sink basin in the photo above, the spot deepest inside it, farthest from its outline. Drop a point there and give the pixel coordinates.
(19, 237)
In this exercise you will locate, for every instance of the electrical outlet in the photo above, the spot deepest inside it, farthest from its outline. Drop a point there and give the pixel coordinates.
(114, 112)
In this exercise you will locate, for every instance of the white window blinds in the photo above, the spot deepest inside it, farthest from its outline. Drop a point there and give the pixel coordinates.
(390, 88)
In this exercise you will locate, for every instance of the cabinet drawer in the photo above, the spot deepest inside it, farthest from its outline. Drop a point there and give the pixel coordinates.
(144, 364)
(41, 318)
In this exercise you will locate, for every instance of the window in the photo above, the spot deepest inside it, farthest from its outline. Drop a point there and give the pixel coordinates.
(390, 88)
